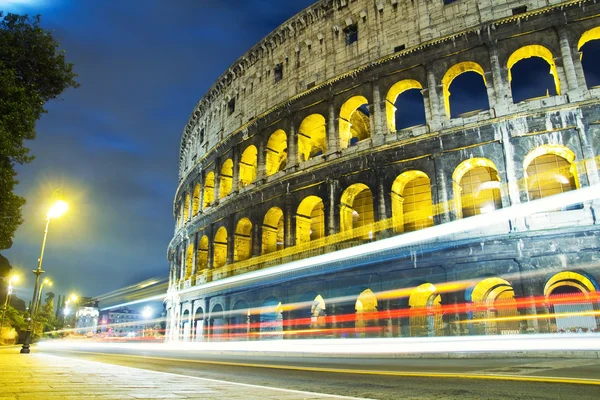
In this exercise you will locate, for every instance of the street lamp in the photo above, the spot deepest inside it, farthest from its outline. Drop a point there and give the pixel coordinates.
(58, 208)
(146, 314)
(12, 279)
(48, 282)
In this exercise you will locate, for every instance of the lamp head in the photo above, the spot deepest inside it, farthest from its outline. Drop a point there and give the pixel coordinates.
(14, 278)
(57, 209)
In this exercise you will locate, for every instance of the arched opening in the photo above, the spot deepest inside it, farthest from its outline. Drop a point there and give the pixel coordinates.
(243, 240)
(276, 152)
(318, 313)
(218, 324)
(469, 95)
(412, 206)
(589, 47)
(240, 320)
(189, 261)
(220, 248)
(355, 124)
(550, 170)
(203, 253)
(185, 327)
(198, 325)
(356, 209)
(528, 73)
(312, 137)
(248, 163)
(404, 105)
(310, 220)
(271, 319)
(209, 189)
(226, 178)
(425, 311)
(186, 208)
(273, 231)
(476, 187)
(366, 322)
(573, 299)
(196, 200)
(494, 307)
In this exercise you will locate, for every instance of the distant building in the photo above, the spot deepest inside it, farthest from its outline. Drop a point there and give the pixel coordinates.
(87, 320)
(121, 322)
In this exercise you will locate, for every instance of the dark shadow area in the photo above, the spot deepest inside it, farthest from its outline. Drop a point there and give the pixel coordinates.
(591, 63)
(468, 94)
(410, 109)
(531, 79)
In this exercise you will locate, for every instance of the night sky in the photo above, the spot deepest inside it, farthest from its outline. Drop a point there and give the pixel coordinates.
(113, 143)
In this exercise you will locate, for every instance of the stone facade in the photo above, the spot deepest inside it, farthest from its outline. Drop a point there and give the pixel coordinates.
(300, 132)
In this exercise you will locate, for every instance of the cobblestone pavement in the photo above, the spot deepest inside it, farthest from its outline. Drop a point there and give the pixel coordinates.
(41, 376)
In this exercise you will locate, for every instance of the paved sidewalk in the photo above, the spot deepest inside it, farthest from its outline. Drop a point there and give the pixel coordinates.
(45, 377)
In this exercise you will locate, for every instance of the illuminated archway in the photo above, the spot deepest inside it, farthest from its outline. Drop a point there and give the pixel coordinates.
(220, 248)
(494, 306)
(271, 319)
(550, 169)
(426, 316)
(189, 261)
(453, 73)
(355, 124)
(476, 187)
(185, 329)
(312, 137)
(273, 231)
(203, 253)
(317, 313)
(218, 323)
(196, 200)
(573, 298)
(412, 205)
(356, 208)
(186, 208)
(310, 220)
(392, 96)
(226, 178)
(243, 240)
(248, 163)
(209, 190)
(533, 51)
(276, 152)
(589, 47)
(366, 321)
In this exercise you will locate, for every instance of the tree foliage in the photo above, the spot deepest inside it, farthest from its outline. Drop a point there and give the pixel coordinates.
(32, 71)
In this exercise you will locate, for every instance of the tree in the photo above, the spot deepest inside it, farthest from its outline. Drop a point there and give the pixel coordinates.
(33, 71)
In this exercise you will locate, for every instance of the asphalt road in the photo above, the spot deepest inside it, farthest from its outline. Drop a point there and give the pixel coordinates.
(368, 378)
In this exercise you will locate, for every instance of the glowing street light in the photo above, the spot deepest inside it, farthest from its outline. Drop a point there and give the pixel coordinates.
(12, 279)
(58, 208)
(146, 314)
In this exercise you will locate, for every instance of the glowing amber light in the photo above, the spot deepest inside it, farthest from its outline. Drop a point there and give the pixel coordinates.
(58, 209)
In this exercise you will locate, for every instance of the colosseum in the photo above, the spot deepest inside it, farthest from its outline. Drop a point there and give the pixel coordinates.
(314, 197)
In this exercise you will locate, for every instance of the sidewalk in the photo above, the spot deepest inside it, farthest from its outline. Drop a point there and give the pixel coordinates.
(45, 377)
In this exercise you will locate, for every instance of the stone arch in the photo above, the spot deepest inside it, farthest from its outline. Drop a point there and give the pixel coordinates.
(425, 311)
(412, 204)
(356, 208)
(310, 220)
(248, 163)
(452, 73)
(276, 152)
(243, 240)
(355, 124)
(550, 169)
(273, 231)
(196, 200)
(202, 253)
(198, 325)
(494, 306)
(209, 190)
(366, 319)
(392, 96)
(220, 247)
(589, 43)
(476, 187)
(186, 208)
(240, 320)
(217, 322)
(189, 261)
(534, 50)
(271, 319)
(318, 313)
(226, 183)
(185, 326)
(312, 137)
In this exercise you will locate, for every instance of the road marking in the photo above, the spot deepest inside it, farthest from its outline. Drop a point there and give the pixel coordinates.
(302, 392)
(521, 378)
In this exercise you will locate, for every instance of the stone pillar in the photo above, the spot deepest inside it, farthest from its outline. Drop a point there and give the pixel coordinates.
(217, 181)
(567, 59)
(230, 239)
(333, 213)
(382, 206)
(502, 91)
(195, 258)
(290, 223)
(292, 145)
(378, 117)
(201, 205)
(235, 180)
(182, 261)
(436, 109)
(261, 167)
(454, 316)
(256, 237)
(211, 249)
(333, 129)
(512, 184)
(442, 209)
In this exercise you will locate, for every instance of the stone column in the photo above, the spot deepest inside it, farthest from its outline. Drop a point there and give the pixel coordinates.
(217, 180)
(211, 249)
(442, 209)
(512, 184)
(382, 209)
(261, 168)
(333, 129)
(567, 59)
(436, 109)
(195, 258)
(527, 287)
(230, 239)
(256, 237)
(201, 204)
(290, 223)
(235, 180)
(378, 117)
(333, 214)
(454, 316)
(292, 145)
(502, 91)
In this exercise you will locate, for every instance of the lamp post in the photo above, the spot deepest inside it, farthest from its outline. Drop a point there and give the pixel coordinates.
(58, 208)
(146, 314)
(48, 282)
(12, 279)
